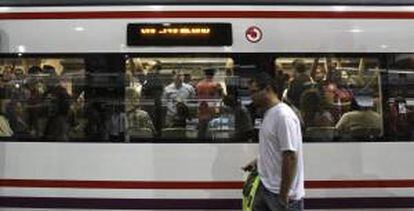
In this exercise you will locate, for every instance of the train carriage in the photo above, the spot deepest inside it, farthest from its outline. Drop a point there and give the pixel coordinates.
(92, 116)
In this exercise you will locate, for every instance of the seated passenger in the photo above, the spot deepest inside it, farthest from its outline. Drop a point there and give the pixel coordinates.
(224, 119)
(138, 120)
(18, 119)
(5, 129)
(364, 120)
(177, 91)
(314, 110)
(222, 125)
(242, 119)
(179, 120)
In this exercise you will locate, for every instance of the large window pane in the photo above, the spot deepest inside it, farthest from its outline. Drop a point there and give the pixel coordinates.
(202, 98)
(42, 98)
(185, 99)
(62, 99)
(337, 98)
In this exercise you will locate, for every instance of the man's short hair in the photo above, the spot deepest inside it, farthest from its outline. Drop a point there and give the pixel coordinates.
(49, 69)
(157, 66)
(209, 71)
(299, 65)
(34, 70)
(264, 80)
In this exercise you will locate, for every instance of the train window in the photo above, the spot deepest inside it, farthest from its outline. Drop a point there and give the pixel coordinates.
(36, 95)
(398, 86)
(184, 99)
(60, 99)
(337, 98)
(202, 98)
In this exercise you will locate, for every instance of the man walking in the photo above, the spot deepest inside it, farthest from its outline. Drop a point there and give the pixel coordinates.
(280, 161)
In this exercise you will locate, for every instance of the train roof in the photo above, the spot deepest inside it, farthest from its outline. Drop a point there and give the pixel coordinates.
(204, 2)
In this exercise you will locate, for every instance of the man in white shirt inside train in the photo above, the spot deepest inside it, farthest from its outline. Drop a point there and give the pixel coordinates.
(175, 92)
(280, 159)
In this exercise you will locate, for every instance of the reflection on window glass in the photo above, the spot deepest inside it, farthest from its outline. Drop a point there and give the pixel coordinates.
(184, 98)
(42, 98)
(203, 98)
(398, 86)
(62, 99)
(337, 98)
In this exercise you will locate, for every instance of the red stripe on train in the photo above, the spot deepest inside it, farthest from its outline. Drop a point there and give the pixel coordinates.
(359, 184)
(208, 14)
(101, 184)
(119, 184)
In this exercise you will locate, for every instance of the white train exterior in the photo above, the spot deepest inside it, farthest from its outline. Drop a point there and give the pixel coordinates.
(152, 176)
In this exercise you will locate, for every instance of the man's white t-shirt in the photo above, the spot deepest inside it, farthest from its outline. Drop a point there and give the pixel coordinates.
(172, 94)
(280, 131)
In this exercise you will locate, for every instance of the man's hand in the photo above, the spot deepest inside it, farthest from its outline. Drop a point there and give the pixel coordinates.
(252, 165)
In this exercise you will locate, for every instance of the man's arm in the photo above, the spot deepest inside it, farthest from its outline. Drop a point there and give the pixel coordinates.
(289, 163)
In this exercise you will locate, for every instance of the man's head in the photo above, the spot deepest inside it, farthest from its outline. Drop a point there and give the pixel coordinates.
(156, 67)
(299, 66)
(178, 77)
(263, 90)
(209, 73)
(49, 69)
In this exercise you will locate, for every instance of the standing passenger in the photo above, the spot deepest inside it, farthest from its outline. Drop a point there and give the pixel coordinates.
(301, 81)
(153, 88)
(57, 126)
(208, 88)
(177, 91)
(280, 162)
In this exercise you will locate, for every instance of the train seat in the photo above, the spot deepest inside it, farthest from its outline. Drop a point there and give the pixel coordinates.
(177, 133)
(320, 133)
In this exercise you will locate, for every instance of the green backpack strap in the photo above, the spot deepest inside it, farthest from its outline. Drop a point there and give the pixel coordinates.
(251, 183)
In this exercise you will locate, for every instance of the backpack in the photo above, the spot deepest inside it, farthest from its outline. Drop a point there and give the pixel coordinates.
(250, 186)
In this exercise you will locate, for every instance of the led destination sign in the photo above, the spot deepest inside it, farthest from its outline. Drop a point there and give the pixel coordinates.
(180, 34)
(195, 31)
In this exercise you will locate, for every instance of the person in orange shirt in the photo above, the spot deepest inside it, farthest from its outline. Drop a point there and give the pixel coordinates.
(208, 88)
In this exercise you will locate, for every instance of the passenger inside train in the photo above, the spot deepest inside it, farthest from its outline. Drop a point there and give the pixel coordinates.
(203, 99)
